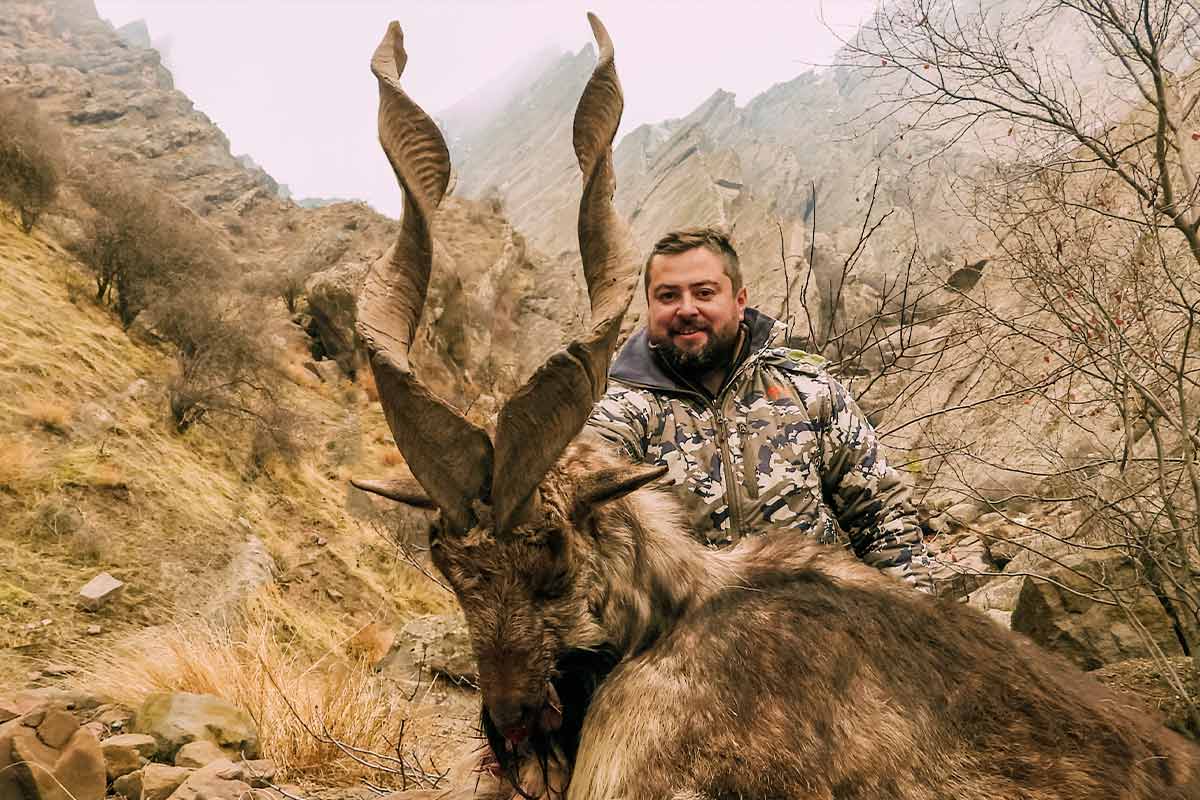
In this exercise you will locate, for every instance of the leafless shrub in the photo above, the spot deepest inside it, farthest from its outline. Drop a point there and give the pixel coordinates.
(225, 367)
(316, 254)
(30, 157)
(141, 246)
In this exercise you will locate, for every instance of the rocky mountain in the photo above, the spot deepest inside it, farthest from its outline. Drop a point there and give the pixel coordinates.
(117, 103)
(794, 171)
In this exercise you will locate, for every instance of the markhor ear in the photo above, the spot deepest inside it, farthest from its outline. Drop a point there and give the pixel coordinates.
(404, 491)
(614, 483)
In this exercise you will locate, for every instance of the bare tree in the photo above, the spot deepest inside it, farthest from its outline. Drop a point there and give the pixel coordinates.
(1089, 188)
(31, 156)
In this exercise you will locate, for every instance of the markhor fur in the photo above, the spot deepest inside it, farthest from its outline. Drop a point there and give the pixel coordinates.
(779, 668)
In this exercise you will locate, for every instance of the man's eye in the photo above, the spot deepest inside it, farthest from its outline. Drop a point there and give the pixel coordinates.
(666, 297)
(705, 294)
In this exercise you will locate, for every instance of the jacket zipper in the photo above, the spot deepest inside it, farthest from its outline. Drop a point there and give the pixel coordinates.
(732, 499)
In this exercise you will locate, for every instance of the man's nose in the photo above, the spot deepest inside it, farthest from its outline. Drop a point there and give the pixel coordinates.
(687, 307)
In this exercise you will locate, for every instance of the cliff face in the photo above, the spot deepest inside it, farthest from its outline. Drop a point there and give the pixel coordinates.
(769, 171)
(802, 161)
(114, 97)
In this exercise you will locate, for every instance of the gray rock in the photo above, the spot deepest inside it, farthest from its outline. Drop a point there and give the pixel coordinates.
(998, 598)
(1060, 615)
(328, 371)
(127, 753)
(198, 754)
(93, 419)
(332, 301)
(259, 773)
(437, 642)
(159, 781)
(129, 785)
(961, 564)
(220, 780)
(177, 718)
(964, 513)
(939, 525)
(99, 591)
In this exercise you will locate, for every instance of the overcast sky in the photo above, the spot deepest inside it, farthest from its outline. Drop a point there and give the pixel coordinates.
(288, 80)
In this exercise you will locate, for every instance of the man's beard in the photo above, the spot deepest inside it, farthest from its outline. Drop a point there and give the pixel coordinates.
(717, 353)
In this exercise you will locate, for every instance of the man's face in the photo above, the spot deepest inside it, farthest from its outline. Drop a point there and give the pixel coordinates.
(693, 312)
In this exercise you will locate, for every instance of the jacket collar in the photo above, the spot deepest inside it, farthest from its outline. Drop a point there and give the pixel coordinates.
(636, 365)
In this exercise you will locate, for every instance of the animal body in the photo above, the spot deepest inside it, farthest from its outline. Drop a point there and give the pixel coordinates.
(619, 658)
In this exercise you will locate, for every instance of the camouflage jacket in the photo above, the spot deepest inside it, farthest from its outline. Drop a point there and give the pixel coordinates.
(782, 445)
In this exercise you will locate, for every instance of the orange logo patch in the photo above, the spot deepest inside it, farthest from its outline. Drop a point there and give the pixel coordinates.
(774, 392)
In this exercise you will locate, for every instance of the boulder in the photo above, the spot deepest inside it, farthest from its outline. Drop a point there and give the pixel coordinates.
(129, 785)
(332, 301)
(964, 514)
(998, 598)
(56, 728)
(99, 591)
(127, 753)
(328, 371)
(177, 718)
(437, 642)
(1059, 614)
(220, 780)
(960, 564)
(198, 754)
(159, 781)
(31, 769)
(10, 789)
(259, 773)
(93, 419)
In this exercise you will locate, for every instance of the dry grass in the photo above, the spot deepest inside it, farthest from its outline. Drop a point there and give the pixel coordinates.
(48, 414)
(366, 379)
(21, 466)
(390, 457)
(256, 663)
(300, 375)
(168, 513)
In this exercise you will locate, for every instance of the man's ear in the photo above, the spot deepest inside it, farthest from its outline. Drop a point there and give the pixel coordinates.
(611, 484)
(401, 490)
(740, 300)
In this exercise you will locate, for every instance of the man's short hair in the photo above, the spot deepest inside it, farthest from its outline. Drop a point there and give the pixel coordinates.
(714, 240)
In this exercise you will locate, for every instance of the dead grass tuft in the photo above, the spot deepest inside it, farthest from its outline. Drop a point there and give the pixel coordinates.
(299, 375)
(20, 465)
(257, 663)
(390, 457)
(366, 380)
(48, 414)
(91, 545)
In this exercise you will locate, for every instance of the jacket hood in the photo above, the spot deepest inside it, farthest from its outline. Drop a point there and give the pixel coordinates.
(636, 365)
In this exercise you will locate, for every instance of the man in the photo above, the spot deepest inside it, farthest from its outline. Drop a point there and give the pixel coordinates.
(755, 435)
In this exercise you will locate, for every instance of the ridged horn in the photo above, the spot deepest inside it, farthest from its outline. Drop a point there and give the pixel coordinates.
(543, 416)
(448, 455)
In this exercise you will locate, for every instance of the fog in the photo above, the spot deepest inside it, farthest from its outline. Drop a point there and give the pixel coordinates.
(289, 82)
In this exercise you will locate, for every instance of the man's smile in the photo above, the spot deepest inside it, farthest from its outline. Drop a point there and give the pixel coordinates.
(691, 338)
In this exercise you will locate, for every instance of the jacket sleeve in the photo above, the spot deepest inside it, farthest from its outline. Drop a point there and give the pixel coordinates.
(622, 417)
(869, 498)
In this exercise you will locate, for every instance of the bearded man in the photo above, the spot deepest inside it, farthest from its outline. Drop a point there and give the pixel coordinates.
(755, 436)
